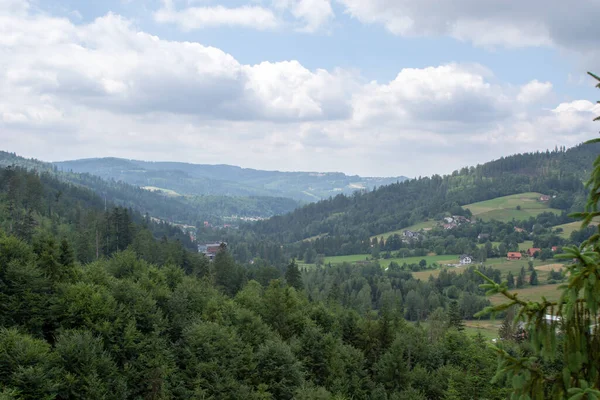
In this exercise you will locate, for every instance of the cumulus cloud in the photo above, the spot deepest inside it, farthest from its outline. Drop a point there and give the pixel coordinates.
(110, 65)
(510, 23)
(534, 91)
(313, 14)
(105, 88)
(305, 15)
(207, 17)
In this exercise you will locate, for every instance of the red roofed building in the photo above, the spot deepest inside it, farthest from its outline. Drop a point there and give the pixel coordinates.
(513, 255)
(554, 249)
(532, 251)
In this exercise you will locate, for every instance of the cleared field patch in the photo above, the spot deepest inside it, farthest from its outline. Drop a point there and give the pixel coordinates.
(425, 225)
(534, 293)
(550, 267)
(527, 244)
(349, 259)
(505, 208)
(167, 192)
(488, 328)
(571, 227)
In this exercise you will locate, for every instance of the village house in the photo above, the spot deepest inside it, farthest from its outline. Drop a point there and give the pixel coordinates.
(410, 234)
(517, 229)
(210, 250)
(460, 219)
(465, 259)
(449, 220)
(544, 197)
(532, 251)
(483, 236)
(513, 255)
(449, 226)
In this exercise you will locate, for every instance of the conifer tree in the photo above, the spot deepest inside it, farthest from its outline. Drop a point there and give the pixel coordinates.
(454, 318)
(293, 277)
(533, 278)
(570, 339)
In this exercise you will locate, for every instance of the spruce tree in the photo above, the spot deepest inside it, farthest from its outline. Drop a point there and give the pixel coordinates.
(454, 318)
(510, 279)
(533, 278)
(293, 276)
(563, 360)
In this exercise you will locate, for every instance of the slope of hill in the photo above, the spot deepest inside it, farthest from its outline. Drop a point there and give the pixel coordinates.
(181, 209)
(517, 206)
(199, 179)
(348, 221)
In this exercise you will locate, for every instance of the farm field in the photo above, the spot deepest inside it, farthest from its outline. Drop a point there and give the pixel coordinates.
(451, 258)
(527, 244)
(505, 208)
(522, 246)
(532, 293)
(488, 328)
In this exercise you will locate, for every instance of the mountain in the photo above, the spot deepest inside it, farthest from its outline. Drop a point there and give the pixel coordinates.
(178, 209)
(347, 222)
(201, 179)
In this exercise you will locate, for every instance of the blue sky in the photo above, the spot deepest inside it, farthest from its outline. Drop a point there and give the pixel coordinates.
(373, 87)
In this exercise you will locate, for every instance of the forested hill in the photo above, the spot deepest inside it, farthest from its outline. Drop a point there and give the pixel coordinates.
(351, 219)
(200, 179)
(179, 209)
(40, 209)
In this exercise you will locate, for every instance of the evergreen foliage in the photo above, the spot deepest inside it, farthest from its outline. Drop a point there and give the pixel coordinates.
(564, 336)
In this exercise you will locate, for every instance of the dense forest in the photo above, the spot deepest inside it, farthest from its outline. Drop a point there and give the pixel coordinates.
(99, 302)
(344, 224)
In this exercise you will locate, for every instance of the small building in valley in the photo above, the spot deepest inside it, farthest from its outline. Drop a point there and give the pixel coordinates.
(532, 251)
(513, 255)
(544, 198)
(465, 259)
(210, 250)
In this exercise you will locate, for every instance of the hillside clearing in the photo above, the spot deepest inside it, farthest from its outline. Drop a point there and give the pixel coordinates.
(505, 208)
(167, 192)
(570, 228)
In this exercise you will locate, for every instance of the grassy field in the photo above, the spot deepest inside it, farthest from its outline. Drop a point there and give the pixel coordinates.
(447, 259)
(532, 293)
(488, 328)
(415, 228)
(526, 245)
(505, 208)
(570, 228)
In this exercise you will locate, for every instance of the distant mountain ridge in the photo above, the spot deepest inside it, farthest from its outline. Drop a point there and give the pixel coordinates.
(188, 209)
(222, 179)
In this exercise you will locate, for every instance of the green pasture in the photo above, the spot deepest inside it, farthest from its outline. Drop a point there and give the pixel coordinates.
(505, 208)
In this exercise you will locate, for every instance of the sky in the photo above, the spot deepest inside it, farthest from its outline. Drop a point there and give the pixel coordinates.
(367, 87)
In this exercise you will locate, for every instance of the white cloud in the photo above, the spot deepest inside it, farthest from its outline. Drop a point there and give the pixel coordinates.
(510, 23)
(534, 91)
(450, 93)
(208, 17)
(106, 89)
(305, 15)
(313, 14)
